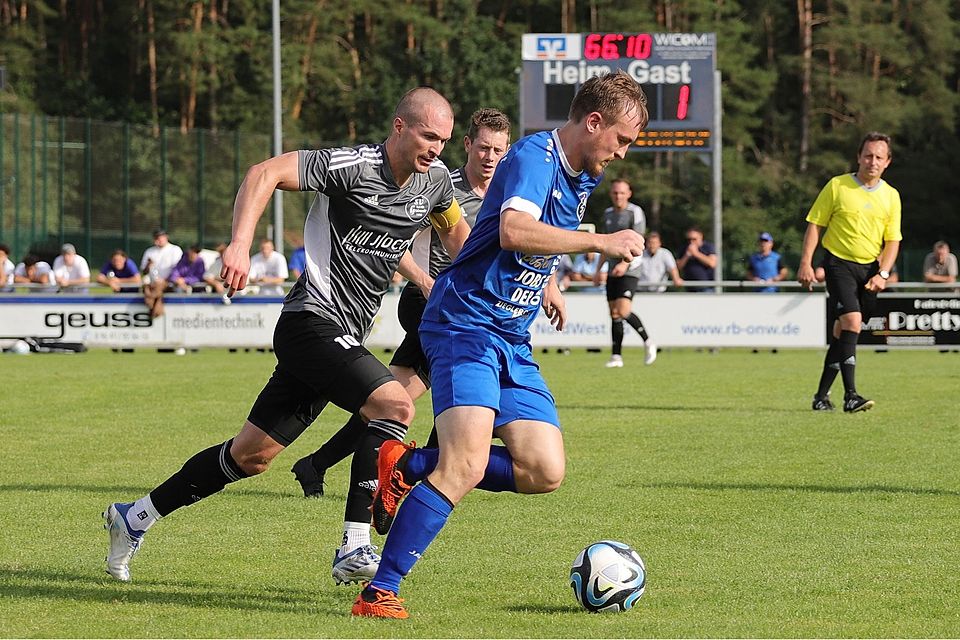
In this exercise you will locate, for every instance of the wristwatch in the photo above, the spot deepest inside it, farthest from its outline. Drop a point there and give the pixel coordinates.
(884, 274)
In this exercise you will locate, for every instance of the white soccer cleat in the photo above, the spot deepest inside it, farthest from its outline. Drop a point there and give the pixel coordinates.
(359, 565)
(651, 353)
(614, 362)
(124, 544)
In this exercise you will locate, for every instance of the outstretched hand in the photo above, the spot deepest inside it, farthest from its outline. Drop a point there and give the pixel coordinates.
(626, 244)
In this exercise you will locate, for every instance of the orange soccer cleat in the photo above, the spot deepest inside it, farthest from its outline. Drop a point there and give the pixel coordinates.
(391, 487)
(378, 603)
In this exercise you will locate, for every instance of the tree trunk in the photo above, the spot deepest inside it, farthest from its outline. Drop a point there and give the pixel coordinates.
(306, 63)
(805, 21)
(213, 70)
(189, 109)
(152, 66)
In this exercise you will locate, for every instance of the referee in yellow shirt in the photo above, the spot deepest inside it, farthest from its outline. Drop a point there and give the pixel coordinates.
(858, 215)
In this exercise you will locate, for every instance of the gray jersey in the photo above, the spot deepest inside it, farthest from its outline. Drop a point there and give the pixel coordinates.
(632, 217)
(428, 251)
(357, 230)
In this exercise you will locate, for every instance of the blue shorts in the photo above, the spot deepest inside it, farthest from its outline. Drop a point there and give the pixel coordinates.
(477, 368)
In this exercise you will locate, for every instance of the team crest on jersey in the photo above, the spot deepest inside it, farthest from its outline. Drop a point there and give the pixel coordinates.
(417, 208)
(582, 207)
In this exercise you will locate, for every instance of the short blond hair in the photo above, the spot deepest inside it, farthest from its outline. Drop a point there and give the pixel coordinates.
(611, 95)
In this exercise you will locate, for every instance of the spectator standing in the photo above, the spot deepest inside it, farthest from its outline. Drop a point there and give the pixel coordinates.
(766, 265)
(120, 273)
(698, 261)
(940, 265)
(657, 264)
(189, 270)
(70, 270)
(858, 216)
(6, 268)
(622, 277)
(33, 270)
(268, 268)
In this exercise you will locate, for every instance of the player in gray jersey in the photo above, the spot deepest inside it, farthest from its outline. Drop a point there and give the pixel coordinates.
(370, 202)
(622, 276)
(486, 141)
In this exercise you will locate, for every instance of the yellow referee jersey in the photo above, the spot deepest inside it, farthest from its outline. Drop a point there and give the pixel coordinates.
(858, 220)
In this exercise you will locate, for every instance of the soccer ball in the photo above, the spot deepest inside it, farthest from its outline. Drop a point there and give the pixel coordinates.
(608, 576)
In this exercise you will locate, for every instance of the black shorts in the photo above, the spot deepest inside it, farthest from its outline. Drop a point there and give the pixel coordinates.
(845, 282)
(410, 353)
(317, 363)
(622, 287)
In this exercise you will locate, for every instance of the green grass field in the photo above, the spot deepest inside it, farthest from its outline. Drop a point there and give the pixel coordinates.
(755, 516)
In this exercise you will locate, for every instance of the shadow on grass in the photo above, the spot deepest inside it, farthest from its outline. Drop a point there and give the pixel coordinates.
(809, 488)
(544, 608)
(44, 583)
(119, 491)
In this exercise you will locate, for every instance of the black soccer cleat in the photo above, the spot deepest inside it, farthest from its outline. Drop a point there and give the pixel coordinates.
(822, 404)
(309, 479)
(854, 403)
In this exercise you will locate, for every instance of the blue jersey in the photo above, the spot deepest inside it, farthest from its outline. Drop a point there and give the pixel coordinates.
(766, 267)
(499, 290)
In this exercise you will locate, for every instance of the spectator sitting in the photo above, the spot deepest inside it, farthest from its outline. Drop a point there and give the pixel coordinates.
(698, 260)
(940, 265)
(71, 271)
(120, 273)
(589, 267)
(6, 269)
(298, 262)
(212, 275)
(766, 264)
(189, 271)
(657, 264)
(32, 271)
(157, 263)
(268, 268)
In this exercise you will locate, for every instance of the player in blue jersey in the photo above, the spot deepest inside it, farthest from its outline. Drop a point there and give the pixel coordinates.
(475, 332)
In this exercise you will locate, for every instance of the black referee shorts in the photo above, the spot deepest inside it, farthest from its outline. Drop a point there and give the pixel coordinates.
(409, 353)
(845, 282)
(622, 287)
(317, 363)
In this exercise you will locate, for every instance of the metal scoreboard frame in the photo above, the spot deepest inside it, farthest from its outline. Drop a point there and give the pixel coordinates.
(677, 72)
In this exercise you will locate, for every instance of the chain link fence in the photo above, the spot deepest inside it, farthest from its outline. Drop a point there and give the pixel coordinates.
(103, 186)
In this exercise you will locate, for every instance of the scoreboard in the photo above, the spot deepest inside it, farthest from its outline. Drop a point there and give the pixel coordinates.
(676, 71)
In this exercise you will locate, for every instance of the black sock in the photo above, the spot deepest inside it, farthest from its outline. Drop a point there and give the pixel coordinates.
(617, 337)
(634, 321)
(831, 367)
(848, 360)
(363, 469)
(203, 475)
(340, 445)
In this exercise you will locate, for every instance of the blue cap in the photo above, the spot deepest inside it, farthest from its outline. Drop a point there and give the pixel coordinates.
(766, 236)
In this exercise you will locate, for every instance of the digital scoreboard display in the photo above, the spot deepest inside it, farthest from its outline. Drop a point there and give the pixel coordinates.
(676, 71)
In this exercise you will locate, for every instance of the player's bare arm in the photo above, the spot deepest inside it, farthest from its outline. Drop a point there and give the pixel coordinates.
(805, 273)
(520, 232)
(281, 172)
(410, 270)
(887, 257)
(454, 237)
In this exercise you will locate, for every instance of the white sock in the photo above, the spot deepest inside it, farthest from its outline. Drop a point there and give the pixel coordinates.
(142, 515)
(355, 535)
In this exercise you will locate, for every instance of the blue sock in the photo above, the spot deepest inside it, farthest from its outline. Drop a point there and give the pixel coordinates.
(498, 477)
(420, 464)
(499, 474)
(419, 520)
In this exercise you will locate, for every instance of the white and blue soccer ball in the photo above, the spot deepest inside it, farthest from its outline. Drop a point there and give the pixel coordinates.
(608, 576)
